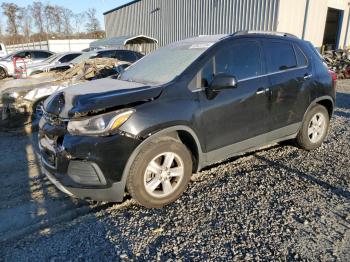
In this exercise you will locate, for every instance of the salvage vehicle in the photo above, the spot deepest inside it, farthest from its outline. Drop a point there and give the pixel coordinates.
(24, 57)
(182, 108)
(122, 55)
(54, 60)
(22, 104)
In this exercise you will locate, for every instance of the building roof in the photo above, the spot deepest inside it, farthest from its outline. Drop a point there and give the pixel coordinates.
(122, 6)
(122, 41)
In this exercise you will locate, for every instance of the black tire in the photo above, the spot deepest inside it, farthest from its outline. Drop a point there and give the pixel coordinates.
(136, 184)
(303, 138)
(35, 114)
(3, 73)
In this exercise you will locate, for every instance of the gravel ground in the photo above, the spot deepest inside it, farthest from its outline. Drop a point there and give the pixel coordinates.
(279, 203)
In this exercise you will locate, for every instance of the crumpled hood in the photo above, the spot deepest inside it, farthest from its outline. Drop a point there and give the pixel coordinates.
(98, 95)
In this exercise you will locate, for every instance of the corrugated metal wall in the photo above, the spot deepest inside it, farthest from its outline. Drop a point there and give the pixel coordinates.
(173, 20)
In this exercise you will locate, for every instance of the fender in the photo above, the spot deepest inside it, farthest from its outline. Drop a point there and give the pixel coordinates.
(121, 184)
(318, 99)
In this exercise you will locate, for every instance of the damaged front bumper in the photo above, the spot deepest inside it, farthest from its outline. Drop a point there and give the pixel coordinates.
(86, 167)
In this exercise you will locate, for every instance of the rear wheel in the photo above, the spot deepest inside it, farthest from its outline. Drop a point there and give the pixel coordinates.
(3, 73)
(160, 173)
(314, 128)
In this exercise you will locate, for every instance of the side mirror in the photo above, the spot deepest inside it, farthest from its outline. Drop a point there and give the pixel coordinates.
(223, 81)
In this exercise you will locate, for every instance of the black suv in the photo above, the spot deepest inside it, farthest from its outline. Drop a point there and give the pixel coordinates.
(181, 108)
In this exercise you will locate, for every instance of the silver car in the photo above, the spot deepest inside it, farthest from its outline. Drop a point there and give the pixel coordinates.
(25, 56)
(55, 60)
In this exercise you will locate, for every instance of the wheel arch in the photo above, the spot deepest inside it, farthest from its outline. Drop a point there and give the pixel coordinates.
(183, 133)
(326, 101)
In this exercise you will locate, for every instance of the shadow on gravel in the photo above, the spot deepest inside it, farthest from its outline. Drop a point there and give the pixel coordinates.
(29, 202)
(343, 100)
(335, 190)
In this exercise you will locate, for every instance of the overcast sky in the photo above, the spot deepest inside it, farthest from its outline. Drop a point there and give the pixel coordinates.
(78, 6)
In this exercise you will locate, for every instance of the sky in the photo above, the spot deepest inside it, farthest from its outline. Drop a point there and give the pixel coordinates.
(78, 6)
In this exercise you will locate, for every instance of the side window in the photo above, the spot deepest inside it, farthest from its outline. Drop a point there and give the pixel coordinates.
(126, 56)
(68, 58)
(106, 54)
(0, 47)
(21, 55)
(240, 60)
(281, 56)
(301, 58)
(41, 55)
(246, 60)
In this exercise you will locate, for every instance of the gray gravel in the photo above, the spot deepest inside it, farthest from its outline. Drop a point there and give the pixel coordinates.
(279, 203)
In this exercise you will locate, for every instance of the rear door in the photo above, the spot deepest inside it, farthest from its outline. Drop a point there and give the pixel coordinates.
(290, 75)
(235, 115)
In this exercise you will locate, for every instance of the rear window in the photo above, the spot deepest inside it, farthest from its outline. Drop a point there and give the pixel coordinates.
(301, 58)
(126, 56)
(281, 57)
(68, 58)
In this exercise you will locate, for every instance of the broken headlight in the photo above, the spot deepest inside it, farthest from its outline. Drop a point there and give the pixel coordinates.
(100, 125)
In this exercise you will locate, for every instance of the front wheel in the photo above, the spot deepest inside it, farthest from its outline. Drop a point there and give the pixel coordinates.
(160, 173)
(38, 109)
(314, 128)
(2, 73)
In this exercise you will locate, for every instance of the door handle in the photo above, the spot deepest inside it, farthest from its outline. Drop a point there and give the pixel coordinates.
(262, 90)
(307, 76)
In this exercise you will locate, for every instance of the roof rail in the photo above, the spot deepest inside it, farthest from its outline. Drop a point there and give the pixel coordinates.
(246, 32)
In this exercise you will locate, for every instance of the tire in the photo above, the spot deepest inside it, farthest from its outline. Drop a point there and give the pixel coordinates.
(314, 128)
(150, 170)
(3, 73)
(37, 112)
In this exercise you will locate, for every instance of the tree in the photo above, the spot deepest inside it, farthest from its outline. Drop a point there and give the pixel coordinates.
(92, 25)
(37, 11)
(49, 12)
(11, 11)
(79, 21)
(67, 14)
(25, 22)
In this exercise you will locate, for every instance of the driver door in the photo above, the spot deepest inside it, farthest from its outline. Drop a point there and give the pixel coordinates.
(235, 119)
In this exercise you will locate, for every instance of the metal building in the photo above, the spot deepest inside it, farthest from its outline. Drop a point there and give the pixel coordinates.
(323, 22)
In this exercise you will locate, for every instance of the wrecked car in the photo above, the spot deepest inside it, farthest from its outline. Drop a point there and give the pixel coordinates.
(23, 103)
(55, 60)
(181, 108)
(25, 56)
(120, 54)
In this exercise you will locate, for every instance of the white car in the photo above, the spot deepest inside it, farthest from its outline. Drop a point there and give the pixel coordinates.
(25, 56)
(55, 60)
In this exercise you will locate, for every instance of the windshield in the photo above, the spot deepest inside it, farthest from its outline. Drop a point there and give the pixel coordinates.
(82, 57)
(164, 64)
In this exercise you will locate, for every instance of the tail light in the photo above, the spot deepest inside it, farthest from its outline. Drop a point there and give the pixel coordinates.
(333, 75)
(334, 78)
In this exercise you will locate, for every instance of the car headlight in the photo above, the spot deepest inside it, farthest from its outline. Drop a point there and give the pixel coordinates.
(100, 125)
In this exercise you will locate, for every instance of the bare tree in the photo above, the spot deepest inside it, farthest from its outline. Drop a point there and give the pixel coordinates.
(92, 25)
(67, 16)
(49, 12)
(37, 11)
(11, 11)
(79, 21)
(25, 22)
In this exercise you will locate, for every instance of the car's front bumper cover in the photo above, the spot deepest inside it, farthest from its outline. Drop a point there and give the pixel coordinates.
(86, 167)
